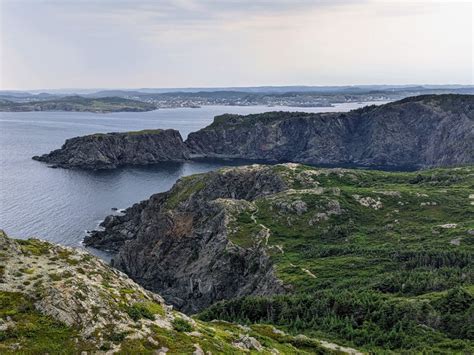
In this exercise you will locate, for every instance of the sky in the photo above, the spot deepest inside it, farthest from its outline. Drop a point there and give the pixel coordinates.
(52, 44)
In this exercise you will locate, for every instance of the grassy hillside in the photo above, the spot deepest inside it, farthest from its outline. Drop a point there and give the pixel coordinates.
(374, 259)
(57, 300)
(79, 104)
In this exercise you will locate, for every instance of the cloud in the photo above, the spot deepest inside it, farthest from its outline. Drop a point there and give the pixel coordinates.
(107, 43)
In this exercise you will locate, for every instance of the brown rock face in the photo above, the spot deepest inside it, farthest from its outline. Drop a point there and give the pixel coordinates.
(111, 150)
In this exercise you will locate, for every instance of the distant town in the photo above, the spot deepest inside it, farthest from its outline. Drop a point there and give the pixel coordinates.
(291, 96)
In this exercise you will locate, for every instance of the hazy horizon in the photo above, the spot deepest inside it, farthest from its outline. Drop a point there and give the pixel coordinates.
(229, 87)
(81, 44)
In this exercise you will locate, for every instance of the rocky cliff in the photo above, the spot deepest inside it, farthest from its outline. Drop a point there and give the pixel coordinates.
(176, 243)
(416, 132)
(111, 150)
(421, 131)
(56, 300)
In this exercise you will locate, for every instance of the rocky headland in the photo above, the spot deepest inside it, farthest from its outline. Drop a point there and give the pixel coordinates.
(112, 150)
(420, 131)
(307, 248)
(416, 132)
(176, 243)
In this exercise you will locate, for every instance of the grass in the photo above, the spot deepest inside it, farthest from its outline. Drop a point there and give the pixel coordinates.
(146, 310)
(181, 325)
(144, 131)
(32, 330)
(34, 247)
(27, 331)
(185, 187)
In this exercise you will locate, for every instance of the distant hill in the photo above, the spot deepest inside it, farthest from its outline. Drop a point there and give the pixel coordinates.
(78, 104)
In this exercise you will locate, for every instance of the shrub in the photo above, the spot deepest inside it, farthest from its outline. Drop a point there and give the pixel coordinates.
(144, 310)
(181, 325)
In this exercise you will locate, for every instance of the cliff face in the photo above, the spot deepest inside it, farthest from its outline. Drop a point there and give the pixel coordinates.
(111, 150)
(176, 243)
(422, 131)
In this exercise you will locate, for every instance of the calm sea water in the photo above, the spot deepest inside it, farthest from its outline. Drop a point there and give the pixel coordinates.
(60, 205)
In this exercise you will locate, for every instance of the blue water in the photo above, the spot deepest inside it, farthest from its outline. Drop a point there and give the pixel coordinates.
(60, 205)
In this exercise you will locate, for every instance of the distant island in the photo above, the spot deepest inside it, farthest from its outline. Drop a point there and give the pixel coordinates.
(416, 132)
(78, 104)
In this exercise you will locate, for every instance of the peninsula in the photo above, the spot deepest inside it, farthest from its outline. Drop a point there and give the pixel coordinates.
(111, 150)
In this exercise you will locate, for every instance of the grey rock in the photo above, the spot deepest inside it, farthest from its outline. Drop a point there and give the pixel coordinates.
(111, 150)
(420, 131)
(246, 342)
(180, 249)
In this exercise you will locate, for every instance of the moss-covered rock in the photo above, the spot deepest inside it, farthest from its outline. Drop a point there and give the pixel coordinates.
(53, 306)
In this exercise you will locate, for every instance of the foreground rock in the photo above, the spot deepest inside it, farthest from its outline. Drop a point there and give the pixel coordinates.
(111, 150)
(62, 300)
(421, 131)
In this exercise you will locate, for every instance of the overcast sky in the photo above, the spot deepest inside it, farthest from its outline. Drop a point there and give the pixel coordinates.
(198, 43)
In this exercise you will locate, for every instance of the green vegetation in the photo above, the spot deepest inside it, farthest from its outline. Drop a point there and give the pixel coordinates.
(186, 186)
(144, 131)
(128, 133)
(227, 120)
(181, 325)
(50, 305)
(375, 260)
(145, 310)
(79, 104)
(32, 330)
(34, 247)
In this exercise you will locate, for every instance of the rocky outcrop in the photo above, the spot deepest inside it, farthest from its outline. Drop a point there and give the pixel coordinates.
(78, 290)
(176, 243)
(56, 299)
(111, 150)
(421, 131)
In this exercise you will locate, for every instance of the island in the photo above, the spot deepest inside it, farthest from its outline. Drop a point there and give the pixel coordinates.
(78, 104)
